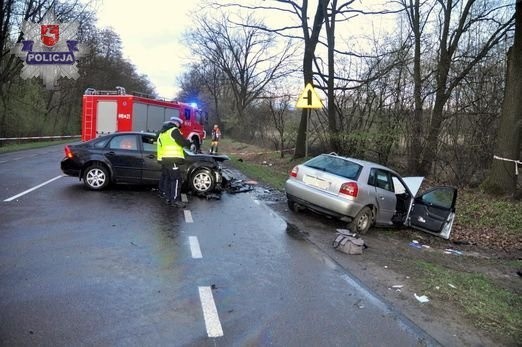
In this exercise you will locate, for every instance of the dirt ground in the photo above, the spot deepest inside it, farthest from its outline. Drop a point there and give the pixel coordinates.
(389, 261)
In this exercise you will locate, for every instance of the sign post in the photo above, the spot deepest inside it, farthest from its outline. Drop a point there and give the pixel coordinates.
(309, 100)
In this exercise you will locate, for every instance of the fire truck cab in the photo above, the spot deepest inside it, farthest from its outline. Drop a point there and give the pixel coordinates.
(108, 111)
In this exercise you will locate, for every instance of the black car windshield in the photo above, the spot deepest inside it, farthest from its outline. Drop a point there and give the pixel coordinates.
(337, 166)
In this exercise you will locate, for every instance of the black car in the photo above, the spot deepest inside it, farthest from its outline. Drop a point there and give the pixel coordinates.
(130, 157)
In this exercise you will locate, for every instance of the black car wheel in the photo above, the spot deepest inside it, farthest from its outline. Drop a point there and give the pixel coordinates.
(96, 177)
(202, 181)
(362, 221)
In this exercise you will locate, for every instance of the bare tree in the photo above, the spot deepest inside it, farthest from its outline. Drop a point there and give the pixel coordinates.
(14, 12)
(247, 56)
(208, 84)
(309, 35)
(25, 106)
(417, 21)
(456, 19)
(278, 106)
(502, 177)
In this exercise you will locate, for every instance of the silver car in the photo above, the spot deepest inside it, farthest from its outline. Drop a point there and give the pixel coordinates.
(363, 194)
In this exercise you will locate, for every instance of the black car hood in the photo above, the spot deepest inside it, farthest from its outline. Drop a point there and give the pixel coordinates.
(205, 157)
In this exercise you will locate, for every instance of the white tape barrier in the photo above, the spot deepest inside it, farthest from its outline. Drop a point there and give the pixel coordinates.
(517, 162)
(37, 137)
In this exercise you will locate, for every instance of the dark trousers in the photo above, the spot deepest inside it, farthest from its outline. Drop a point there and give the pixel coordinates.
(171, 178)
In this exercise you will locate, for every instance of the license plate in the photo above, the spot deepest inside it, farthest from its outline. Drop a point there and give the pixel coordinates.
(316, 182)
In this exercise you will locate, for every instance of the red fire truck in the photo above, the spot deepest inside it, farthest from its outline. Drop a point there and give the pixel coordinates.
(108, 111)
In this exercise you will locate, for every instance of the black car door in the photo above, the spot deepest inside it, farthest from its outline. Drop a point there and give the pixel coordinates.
(151, 168)
(434, 211)
(125, 158)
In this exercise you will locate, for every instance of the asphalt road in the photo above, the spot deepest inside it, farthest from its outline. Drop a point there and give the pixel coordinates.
(118, 267)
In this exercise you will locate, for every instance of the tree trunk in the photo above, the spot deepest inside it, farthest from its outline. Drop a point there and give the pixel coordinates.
(441, 97)
(416, 128)
(332, 116)
(502, 178)
(308, 58)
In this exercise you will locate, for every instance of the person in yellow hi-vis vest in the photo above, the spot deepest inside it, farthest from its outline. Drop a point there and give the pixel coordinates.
(171, 156)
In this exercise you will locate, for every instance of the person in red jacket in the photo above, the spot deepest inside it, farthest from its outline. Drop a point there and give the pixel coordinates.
(216, 136)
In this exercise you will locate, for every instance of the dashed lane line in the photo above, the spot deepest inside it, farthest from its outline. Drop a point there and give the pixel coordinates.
(188, 216)
(194, 247)
(32, 189)
(208, 305)
(210, 313)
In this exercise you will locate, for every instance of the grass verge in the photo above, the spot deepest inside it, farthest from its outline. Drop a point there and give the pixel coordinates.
(478, 210)
(258, 163)
(493, 309)
(31, 145)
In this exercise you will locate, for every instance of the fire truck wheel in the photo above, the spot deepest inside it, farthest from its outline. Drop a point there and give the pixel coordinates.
(194, 147)
(202, 181)
(96, 177)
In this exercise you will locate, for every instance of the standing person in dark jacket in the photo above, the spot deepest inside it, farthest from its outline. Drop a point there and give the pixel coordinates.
(172, 157)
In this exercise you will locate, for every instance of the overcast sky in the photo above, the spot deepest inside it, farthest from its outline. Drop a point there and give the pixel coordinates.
(150, 32)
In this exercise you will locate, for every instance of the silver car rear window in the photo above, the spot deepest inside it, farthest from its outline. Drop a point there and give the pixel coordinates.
(334, 165)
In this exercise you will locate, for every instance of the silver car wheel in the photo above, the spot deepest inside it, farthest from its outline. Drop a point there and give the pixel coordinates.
(96, 177)
(362, 222)
(202, 181)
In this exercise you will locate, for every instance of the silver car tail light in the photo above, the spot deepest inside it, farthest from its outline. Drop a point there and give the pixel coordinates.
(294, 171)
(350, 189)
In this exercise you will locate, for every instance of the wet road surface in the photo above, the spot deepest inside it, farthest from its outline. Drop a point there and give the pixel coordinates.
(118, 267)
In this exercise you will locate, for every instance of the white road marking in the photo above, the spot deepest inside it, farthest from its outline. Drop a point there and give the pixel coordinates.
(210, 312)
(32, 189)
(194, 247)
(184, 198)
(188, 216)
(3, 161)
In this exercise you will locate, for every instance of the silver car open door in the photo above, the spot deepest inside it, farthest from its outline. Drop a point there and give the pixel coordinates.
(434, 211)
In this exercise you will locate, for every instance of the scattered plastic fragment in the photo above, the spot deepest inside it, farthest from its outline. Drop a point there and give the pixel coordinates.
(346, 232)
(422, 298)
(452, 251)
(239, 186)
(397, 286)
(415, 244)
(359, 304)
(452, 286)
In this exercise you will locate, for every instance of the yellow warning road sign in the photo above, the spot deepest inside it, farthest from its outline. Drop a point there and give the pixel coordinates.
(309, 98)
